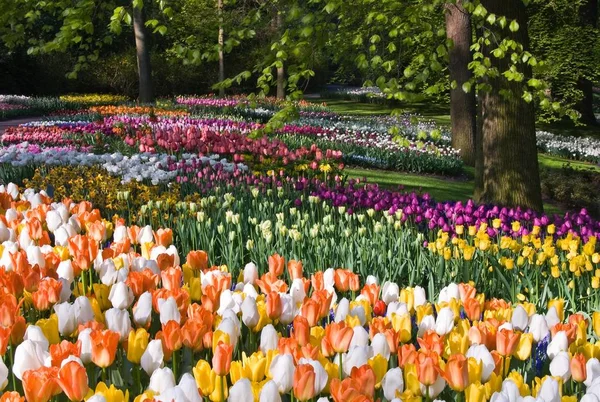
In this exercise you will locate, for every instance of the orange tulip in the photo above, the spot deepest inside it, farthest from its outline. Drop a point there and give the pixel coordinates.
(311, 311)
(342, 279)
(171, 278)
(61, 351)
(12, 282)
(4, 339)
(104, 347)
(304, 382)
(11, 396)
(365, 379)
(570, 329)
(407, 354)
(141, 282)
(354, 282)
(172, 336)
(210, 298)
(323, 298)
(371, 292)
(578, 367)
(274, 306)
(393, 339)
(132, 233)
(431, 341)
(165, 261)
(40, 385)
(276, 264)
(192, 334)
(48, 294)
(73, 380)
(163, 237)
(466, 291)
(294, 269)
(339, 336)
(317, 281)
(506, 342)
(197, 260)
(269, 282)
(301, 330)
(221, 360)
(427, 367)
(456, 372)
(288, 346)
(34, 228)
(97, 231)
(472, 309)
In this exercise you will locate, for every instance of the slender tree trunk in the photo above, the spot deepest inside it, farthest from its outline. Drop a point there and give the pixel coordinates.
(588, 14)
(510, 169)
(142, 48)
(280, 70)
(462, 104)
(221, 42)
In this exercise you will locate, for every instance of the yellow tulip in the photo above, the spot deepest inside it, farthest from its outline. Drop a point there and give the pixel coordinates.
(195, 289)
(407, 296)
(137, 344)
(352, 321)
(596, 322)
(494, 384)
(316, 335)
(112, 394)
(62, 252)
(220, 389)
(457, 341)
(204, 375)
(523, 350)
(264, 319)
(254, 366)
(475, 370)
(147, 396)
(146, 247)
(402, 324)
(220, 336)
(379, 364)
(411, 380)
(519, 381)
(332, 371)
(423, 311)
(566, 398)
(101, 293)
(475, 392)
(236, 372)
(98, 316)
(49, 327)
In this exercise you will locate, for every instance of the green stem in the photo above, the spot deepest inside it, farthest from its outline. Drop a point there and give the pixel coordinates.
(341, 369)
(104, 375)
(83, 278)
(175, 364)
(139, 379)
(12, 364)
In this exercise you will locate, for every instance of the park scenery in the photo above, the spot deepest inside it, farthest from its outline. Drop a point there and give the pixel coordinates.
(292, 200)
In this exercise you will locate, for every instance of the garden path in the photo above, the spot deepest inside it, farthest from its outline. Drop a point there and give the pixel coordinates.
(15, 122)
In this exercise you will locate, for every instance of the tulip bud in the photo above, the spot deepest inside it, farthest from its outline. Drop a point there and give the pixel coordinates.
(520, 319)
(560, 366)
(269, 339)
(168, 310)
(153, 356)
(538, 327)
(121, 296)
(282, 370)
(559, 343)
(445, 321)
(250, 315)
(269, 392)
(118, 321)
(29, 355)
(161, 380)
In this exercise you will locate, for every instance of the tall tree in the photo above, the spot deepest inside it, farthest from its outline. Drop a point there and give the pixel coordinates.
(142, 47)
(220, 44)
(509, 165)
(588, 14)
(462, 100)
(280, 67)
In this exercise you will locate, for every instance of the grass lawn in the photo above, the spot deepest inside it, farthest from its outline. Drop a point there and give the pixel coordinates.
(442, 188)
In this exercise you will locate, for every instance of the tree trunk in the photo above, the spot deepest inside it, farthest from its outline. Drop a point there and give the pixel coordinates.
(280, 70)
(462, 104)
(142, 48)
(510, 170)
(221, 42)
(588, 14)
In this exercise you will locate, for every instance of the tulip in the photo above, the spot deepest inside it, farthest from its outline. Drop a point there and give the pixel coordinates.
(358, 356)
(268, 339)
(40, 384)
(35, 334)
(481, 354)
(168, 310)
(118, 321)
(67, 320)
(3, 375)
(592, 369)
(73, 379)
(538, 327)
(578, 368)
(390, 292)
(136, 345)
(520, 318)
(456, 372)
(380, 346)
(269, 392)
(282, 371)
(427, 324)
(445, 321)
(121, 296)
(506, 342)
(188, 386)
(360, 337)
(339, 336)
(241, 391)
(161, 380)
(560, 366)
(523, 350)
(250, 315)
(288, 310)
(104, 347)
(142, 311)
(82, 308)
(221, 361)
(559, 343)
(304, 382)
(29, 355)
(152, 358)
(250, 273)
(392, 383)
(549, 391)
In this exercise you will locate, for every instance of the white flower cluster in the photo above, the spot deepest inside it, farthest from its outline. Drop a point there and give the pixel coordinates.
(585, 148)
(18, 99)
(157, 168)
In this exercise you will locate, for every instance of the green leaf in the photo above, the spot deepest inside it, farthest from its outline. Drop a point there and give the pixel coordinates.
(514, 26)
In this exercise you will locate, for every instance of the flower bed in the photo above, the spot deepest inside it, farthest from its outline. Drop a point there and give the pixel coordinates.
(102, 311)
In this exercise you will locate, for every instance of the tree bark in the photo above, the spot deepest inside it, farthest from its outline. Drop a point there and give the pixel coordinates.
(142, 48)
(220, 43)
(510, 171)
(280, 70)
(588, 14)
(462, 104)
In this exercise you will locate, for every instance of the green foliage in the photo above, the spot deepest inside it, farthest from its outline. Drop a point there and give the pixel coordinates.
(574, 188)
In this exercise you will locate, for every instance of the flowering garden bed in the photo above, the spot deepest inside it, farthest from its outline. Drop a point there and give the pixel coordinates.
(160, 254)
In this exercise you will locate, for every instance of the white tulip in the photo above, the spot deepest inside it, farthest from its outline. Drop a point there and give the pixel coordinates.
(29, 355)
(589, 398)
(282, 370)
(392, 383)
(35, 256)
(390, 292)
(161, 380)
(448, 293)
(142, 310)
(189, 388)
(483, 355)
(120, 234)
(250, 315)
(86, 345)
(171, 394)
(380, 346)
(520, 319)
(372, 280)
(419, 296)
(560, 366)
(538, 327)
(168, 310)
(250, 290)
(356, 357)
(435, 389)
(549, 392)
(288, 310)
(341, 312)
(593, 371)
(145, 235)
(82, 309)
(65, 271)
(67, 321)
(53, 220)
(269, 339)
(250, 273)
(269, 392)
(427, 323)
(552, 317)
(445, 321)
(118, 320)
(231, 327)
(559, 343)
(241, 391)
(153, 357)
(121, 296)
(35, 334)
(3, 375)
(297, 291)
(360, 337)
